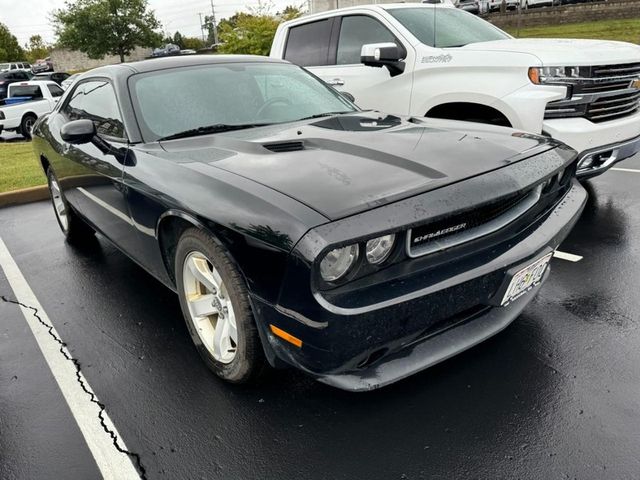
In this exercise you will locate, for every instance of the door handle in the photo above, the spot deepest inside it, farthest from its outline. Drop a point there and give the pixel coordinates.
(336, 82)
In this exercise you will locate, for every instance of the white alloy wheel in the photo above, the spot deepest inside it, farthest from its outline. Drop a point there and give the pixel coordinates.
(210, 310)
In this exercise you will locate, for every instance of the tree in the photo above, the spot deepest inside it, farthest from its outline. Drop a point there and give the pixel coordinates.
(101, 27)
(10, 49)
(36, 48)
(193, 43)
(178, 39)
(252, 33)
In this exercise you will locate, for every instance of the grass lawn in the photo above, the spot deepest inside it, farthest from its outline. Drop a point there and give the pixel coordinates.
(19, 167)
(627, 30)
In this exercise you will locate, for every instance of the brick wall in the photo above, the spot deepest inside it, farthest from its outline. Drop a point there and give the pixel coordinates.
(583, 12)
(64, 59)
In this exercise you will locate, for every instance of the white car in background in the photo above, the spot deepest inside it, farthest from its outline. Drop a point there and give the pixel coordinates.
(495, 4)
(438, 61)
(526, 4)
(26, 102)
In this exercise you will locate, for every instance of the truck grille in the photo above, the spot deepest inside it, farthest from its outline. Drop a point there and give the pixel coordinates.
(602, 93)
(609, 108)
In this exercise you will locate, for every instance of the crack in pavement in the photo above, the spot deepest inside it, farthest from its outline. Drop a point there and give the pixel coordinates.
(92, 397)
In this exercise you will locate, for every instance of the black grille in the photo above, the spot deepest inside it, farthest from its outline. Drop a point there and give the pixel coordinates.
(602, 93)
(615, 70)
(284, 146)
(609, 108)
(456, 224)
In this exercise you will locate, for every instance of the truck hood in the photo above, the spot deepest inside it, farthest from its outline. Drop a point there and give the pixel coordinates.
(565, 52)
(346, 164)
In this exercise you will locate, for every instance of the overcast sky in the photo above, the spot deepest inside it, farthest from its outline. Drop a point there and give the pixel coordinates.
(30, 17)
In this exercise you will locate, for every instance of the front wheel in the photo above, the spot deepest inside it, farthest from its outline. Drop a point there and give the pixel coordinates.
(215, 305)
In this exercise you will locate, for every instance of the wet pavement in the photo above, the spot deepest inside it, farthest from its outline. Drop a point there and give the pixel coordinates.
(556, 395)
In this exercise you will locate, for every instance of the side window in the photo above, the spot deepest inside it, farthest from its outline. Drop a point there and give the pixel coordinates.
(21, 75)
(55, 90)
(356, 31)
(308, 44)
(96, 101)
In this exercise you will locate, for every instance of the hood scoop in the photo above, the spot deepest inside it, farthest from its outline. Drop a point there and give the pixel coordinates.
(284, 146)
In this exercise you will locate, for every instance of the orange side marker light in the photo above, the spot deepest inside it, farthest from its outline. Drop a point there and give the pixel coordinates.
(285, 336)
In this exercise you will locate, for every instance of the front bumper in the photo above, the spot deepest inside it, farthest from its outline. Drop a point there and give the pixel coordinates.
(612, 141)
(598, 160)
(364, 350)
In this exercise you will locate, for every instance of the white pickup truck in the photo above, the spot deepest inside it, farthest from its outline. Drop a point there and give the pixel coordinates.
(438, 61)
(26, 102)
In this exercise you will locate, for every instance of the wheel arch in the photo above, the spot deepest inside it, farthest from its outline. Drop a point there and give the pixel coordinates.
(470, 111)
(173, 223)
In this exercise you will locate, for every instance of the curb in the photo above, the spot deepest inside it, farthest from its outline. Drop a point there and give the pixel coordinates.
(25, 195)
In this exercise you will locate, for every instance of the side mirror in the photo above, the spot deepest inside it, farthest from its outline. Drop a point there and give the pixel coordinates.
(78, 132)
(383, 55)
(348, 96)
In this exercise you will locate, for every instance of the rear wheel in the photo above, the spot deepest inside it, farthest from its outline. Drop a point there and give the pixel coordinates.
(215, 305)
(73, 227)
(26, 126)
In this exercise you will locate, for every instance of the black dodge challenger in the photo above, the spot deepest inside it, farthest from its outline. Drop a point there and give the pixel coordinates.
(299, 230)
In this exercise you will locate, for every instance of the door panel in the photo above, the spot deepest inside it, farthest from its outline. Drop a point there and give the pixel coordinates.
(367, 84)
(91, 174)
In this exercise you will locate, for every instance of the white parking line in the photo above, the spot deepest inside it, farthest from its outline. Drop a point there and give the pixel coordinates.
(567, 256)
(112, 463)
(633, 170)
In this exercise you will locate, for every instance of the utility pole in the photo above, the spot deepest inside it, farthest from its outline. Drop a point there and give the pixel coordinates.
(201, 27)
(214, 24)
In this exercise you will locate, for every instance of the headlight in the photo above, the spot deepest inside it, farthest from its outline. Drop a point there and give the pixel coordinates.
(378, 249)
(337, 262)
(542, 75)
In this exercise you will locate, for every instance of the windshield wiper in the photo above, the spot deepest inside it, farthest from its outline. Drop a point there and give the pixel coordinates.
(325, 114)
(206, 130)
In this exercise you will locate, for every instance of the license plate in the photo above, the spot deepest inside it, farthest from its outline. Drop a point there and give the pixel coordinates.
(525, 279)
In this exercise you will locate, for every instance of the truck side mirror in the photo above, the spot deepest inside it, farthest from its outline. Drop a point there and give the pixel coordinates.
(383, 55)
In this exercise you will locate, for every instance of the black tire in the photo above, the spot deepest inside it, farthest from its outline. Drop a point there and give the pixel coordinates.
(76, 230)
(249, 361)
(27, 124)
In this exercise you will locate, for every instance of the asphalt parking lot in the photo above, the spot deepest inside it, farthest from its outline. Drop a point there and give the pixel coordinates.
(556, 395)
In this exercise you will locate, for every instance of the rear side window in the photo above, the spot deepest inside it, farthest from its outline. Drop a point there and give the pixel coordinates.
(32, 91)
(356, 31)
(308, 44)
(96, 101)
(20, 75)
(55, 90)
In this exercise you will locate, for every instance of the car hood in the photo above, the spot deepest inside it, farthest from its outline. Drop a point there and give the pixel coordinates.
(350, 163)
(565, 52)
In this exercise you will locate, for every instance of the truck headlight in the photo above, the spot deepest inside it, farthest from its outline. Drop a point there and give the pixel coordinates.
(546, 75)
(378, 249)
(337, 262)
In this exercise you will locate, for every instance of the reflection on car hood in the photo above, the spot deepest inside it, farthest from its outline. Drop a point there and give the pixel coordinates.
(566, 51)
(347, 164)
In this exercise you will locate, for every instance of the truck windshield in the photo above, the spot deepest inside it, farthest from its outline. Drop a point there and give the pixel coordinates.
(446, 27)
(228, 96)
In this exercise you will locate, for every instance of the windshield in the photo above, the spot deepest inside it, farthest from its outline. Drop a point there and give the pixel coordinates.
(5, 66)
(446, 27)
(168, 102)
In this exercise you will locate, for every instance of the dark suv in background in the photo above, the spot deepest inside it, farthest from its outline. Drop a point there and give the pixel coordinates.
(9, 77)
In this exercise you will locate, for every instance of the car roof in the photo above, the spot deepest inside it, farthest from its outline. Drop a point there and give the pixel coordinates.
(162, 63)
